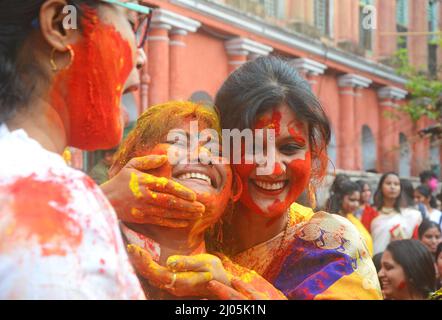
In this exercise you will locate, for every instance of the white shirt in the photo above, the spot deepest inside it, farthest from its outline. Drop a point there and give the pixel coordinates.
(59, 236)
(381, 227)
(434, 215)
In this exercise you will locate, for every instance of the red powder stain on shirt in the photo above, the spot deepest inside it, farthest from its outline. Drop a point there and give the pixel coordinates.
(40, 209)
(102, 261)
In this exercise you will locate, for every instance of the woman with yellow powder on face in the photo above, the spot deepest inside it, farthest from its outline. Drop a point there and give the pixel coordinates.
(303, 254)
(162, 131)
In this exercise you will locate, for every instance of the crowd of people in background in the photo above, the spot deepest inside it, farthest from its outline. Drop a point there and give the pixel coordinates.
(401, 225)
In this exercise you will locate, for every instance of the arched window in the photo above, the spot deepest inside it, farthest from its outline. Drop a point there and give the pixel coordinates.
(405, 156)
(368, 150)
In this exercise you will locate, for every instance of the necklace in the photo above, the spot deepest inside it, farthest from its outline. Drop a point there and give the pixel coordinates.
(388, 210)
(287, 225)
(277, 255)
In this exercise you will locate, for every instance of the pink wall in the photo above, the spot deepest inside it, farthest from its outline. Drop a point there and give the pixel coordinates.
(205, 64)
(418, 44)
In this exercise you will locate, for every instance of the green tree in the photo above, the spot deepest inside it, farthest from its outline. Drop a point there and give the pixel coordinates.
(424, 89)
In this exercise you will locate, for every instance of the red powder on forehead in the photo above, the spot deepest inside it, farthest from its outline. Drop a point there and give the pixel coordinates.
(295, 129)
(88, 93)
(273, 123)
(40, 209)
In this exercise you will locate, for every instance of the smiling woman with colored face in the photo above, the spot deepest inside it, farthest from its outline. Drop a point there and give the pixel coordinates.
(407, 271)
(61, 86)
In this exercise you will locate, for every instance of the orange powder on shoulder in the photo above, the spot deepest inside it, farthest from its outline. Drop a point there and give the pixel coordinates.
(40, 209)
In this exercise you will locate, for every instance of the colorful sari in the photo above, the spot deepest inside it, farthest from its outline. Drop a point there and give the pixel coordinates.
(319, 256)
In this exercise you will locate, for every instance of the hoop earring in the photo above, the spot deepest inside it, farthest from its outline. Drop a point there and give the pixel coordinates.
(239, 187)
(52, 61)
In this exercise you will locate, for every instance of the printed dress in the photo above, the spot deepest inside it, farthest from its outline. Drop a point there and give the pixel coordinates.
(59, 236)
(320, 256)
(384, 226)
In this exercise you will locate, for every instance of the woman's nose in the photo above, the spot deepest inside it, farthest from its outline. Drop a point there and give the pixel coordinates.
(141, 58)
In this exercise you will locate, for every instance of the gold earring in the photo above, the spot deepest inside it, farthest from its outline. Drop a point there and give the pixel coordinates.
(52, 61)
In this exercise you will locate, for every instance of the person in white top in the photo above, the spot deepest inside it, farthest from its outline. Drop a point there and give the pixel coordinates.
(423, 196)
(61, 86)
(392, 222)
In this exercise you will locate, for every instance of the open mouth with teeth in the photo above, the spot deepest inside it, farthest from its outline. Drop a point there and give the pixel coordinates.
(268, 186)
(197, 176)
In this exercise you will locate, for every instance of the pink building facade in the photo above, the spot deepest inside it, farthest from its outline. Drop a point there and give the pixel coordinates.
(194, 45)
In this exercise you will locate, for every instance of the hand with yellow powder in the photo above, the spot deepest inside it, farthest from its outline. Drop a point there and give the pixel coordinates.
(139, 197)
(204, 276)
(184, 276)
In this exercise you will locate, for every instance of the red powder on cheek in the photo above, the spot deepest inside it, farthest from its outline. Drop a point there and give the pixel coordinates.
(278, 170)
(300, 174)
(88, 93)
(402, 285)
(300, 169)
(40, 210)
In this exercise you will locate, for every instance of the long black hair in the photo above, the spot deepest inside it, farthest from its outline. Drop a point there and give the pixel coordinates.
(407, 193)
(268, 82)
(379, 197)
(417, 263)
(341, 187)
(17, 20)
(426, 192)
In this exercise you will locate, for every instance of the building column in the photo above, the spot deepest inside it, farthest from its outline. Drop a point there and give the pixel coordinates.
(158, 57)
(144, 83)
(240, 50)
(181, 27)
(311, 70)
(388, 138)
(177, 46)
(348, 139)
(166, 47)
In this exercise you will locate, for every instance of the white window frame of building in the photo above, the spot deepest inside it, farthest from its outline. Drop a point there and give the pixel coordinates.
(404, 156)
(363, 33)
(402, 12)
(323, 21)
(274, 8)
(369, 153)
